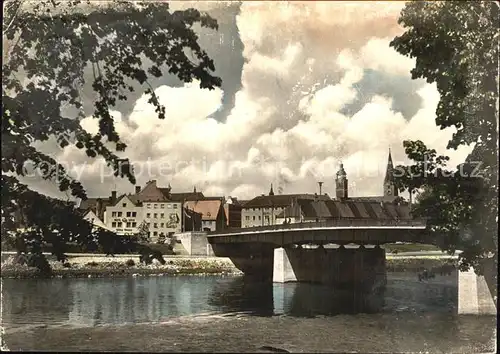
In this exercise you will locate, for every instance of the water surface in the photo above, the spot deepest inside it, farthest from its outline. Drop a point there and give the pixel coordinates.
(192, 313)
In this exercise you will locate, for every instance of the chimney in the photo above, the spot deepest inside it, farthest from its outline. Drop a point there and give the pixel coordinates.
(320, 187)
(113, 197)
(137, 189)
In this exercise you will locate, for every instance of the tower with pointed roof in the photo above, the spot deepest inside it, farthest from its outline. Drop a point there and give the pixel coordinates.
(341, 184)
(271, 192)
(390, 189)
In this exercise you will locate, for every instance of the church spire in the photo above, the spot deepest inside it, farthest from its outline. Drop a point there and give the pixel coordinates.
(390, 169)
(271, 192)
(390, 189)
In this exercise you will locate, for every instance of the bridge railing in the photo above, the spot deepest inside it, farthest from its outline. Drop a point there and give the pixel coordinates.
(326, 223)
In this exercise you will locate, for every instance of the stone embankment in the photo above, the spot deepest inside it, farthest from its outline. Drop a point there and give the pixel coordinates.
(119, 266)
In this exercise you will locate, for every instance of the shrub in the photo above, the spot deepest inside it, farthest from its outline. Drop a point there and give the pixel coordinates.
(92, 264)
(130, 263)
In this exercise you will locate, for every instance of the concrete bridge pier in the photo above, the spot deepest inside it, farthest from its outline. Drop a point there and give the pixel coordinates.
(476, 294)
(359, 268)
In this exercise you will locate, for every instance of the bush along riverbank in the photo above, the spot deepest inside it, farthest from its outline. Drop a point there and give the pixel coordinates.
(120, 268)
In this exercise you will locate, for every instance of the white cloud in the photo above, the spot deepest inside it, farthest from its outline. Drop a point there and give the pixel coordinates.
(287, 126)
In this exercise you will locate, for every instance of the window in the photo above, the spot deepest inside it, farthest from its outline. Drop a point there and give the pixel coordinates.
(247, 218)
(162, 225)
(119, 214)
(134, 224)
(148, 206)
(134, 214)
(148, 215)
(149, 224)
(162, 206)
(118, 224)
(155, 225)
(113, 224)
(155, 233)
(169, 206)
(253, 217)
(156, 215)
(129, 224)
(113, 214)
(175, 206)
(129, 214)
(156, 206)
(162, 216)
(259, 217)
(124, 205)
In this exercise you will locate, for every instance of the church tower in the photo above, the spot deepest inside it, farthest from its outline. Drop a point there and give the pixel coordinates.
(390, 189)
(341, 184)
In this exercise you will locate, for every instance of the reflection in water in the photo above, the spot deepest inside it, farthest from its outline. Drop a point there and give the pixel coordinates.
(243, 295)
(45, 301)
(90, 302)
(136, 300)
(292, 299)
(312, 300)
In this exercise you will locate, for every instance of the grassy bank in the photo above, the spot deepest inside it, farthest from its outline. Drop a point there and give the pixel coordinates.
(418, 265)
(408, 247)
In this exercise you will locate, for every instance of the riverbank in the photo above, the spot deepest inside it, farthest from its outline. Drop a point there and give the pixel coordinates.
(129, 265)
(121, 266)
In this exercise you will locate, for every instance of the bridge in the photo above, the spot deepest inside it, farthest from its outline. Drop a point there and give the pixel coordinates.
(276, 252)
(339, 231)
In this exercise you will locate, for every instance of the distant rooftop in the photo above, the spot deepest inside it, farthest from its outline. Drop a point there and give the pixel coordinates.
(324, 209)
(280, 200)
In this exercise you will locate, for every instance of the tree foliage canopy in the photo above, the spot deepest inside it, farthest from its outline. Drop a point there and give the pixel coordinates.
(50, 44)
(455, 45)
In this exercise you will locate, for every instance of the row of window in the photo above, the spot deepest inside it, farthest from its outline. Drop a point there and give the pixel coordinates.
(133, 214)
(121, 224)
(247, 218)
(155, 225)
(155, 215)
(130, 214)
(134, 224)
(161, 206)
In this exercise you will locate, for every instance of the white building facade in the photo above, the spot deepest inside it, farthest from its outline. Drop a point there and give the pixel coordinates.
(124, 217)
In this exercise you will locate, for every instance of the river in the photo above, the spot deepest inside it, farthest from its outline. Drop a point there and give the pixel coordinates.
(232, 314)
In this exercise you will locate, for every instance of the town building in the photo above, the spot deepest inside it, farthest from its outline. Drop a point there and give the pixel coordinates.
(157, 208)
(263, 210)
(212, 212)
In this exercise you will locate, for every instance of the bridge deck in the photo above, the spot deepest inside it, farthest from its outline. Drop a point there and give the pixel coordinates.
(361, 231)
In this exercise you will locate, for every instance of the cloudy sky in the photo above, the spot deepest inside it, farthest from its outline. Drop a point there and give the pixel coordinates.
(305, 86)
